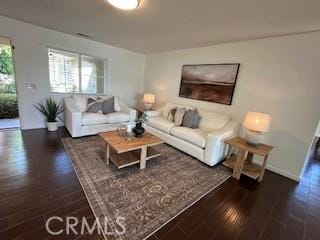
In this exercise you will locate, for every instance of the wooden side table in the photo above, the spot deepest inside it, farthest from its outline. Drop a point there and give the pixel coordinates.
(242, 162)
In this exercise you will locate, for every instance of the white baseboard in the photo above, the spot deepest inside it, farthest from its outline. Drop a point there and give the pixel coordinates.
(37, 126)
(279, 171)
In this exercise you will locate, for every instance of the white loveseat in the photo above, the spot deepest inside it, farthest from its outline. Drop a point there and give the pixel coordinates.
(81, 123)
(205, 143)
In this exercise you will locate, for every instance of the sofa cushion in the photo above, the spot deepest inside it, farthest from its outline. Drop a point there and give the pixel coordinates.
(212, 121)
(80, 101)
(197, 136)
(93, 119)
(161, 124)
(118, 117)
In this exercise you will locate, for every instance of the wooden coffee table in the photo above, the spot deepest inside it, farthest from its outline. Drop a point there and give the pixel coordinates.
(124, 153)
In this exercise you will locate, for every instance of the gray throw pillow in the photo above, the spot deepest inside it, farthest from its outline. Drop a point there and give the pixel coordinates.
(196, 119)
(94, 105)
(191, 119)
(108, 105)
(188, 119)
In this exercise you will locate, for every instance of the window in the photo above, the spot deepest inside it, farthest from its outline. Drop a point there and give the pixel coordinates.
(76, 73)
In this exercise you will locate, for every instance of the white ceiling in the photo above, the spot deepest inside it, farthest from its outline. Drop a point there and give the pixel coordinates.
(163, 25)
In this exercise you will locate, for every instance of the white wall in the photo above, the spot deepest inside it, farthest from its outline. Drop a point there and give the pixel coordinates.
(279, 76)
(125, 68)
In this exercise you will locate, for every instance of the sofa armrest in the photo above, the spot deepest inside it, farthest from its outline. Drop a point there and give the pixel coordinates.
(132, 112)
(72, 118)
(152, 113)
(215, 150)
(156, 113)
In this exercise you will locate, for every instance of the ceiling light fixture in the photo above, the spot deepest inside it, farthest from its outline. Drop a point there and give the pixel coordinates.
(125, 4)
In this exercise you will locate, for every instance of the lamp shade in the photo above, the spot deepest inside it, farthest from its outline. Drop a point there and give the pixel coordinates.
(149, 98)
(258, 122)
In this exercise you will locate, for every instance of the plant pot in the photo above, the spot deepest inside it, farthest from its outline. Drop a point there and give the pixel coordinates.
(138, 130)
(52, 126)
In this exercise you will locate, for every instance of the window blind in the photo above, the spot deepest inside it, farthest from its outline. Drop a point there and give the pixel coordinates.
(75, 73)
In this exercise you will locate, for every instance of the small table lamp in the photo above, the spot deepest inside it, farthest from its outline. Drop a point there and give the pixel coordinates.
(149, 100)
(256, 124)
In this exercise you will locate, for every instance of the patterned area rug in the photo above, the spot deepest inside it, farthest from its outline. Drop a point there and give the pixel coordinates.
(146, 199)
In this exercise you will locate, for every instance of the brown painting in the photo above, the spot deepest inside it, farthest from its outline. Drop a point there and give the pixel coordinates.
(209, 82)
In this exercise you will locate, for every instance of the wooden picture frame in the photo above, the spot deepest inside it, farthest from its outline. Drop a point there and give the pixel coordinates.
(209, 82)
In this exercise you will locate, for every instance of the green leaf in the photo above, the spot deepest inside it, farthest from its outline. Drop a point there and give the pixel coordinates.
(50, 109)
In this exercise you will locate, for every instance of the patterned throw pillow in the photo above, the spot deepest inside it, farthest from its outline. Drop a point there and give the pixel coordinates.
(94, 105)
(171, 114)
(178, 117)
(108, 105)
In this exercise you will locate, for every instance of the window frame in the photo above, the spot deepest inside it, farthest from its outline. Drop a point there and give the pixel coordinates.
(79, 54)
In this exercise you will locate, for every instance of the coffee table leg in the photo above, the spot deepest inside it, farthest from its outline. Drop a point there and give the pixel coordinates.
(143, 157)
(107, 153)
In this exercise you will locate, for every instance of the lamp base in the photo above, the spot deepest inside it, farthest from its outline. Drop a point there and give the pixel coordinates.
(254, 138)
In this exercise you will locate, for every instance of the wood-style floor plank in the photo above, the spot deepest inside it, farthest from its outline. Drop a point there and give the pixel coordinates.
(37, 181)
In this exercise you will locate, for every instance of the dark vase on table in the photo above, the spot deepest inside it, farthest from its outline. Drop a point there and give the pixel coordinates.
(138, 130)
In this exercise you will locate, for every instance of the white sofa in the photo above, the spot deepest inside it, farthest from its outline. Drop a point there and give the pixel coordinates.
(205, 143)
(81, 123)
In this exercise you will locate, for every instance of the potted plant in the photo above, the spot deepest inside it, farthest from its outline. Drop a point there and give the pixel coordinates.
(51, 110)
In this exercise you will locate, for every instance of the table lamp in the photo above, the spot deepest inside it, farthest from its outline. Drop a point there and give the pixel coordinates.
(257, 124)
(148, 100)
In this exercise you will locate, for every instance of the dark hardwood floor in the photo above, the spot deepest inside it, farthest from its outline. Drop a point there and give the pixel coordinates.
(37, 181)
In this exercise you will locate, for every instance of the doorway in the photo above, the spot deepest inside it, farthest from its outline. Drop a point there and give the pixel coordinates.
(9, 114)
